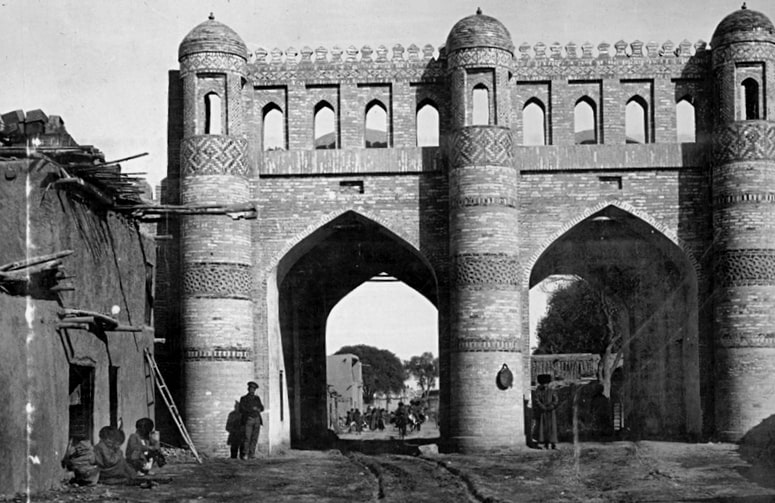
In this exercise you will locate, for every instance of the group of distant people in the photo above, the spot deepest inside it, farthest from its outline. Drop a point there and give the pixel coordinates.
(107, 463)
(404, 418)
(244, 424)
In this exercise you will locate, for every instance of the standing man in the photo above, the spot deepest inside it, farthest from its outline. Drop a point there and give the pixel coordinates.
(250, 409)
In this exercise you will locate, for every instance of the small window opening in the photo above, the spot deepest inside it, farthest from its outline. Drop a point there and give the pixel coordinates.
(585, 122)
(325, 126)
(274, 128)
(480, 98)
(351, 186)
(750, 95)
(81, 398)
(113, 394)
(533, 123)
(376, 126)
(686, 129)
(213, 116)
(428, 126)
(636, 121)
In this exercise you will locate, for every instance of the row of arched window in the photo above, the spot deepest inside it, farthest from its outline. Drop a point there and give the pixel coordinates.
(586, 129)
(638, 128)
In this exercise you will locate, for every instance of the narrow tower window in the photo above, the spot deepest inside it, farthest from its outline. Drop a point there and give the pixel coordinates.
(636, 121)
(585, 122)
(686, 131)
(325, 127)
(534, 123)
(428, 125)
(480, 112)
(749, 93)
(376, 134)
(274, 130)
(213, 123)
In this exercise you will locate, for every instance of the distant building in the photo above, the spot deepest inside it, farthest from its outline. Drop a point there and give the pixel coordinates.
(344, 376)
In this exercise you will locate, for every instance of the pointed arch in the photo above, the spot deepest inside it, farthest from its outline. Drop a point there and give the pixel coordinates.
(585, 126)
(636, 122)
(427, 124)
(273, 127)
(213, 114)
(534, 123)
(686, 120)
(375, 125)
(480, 105)
(749, 95)
(597, 209)
(324, 126)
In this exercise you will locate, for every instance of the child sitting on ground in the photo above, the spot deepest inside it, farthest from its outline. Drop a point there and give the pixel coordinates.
(79, 458)
(143, 447)
(113, 467)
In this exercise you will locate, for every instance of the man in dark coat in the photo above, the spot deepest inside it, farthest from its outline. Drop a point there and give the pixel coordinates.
(234, 427)
(546, 401)
(250, 409)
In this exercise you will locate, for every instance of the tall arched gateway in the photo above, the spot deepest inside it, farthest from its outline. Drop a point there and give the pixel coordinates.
(243, 284)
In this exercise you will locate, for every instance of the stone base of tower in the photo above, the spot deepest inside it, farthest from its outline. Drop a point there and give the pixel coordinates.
(212, 387)
(481, 415)
(745, 390)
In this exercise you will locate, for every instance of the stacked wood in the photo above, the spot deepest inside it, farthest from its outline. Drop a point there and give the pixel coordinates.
(38, 273)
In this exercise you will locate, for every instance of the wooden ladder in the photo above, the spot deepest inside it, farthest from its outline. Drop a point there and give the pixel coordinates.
(165, 394)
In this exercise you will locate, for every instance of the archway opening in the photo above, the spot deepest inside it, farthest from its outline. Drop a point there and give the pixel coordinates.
(644, 361)
(345, 257)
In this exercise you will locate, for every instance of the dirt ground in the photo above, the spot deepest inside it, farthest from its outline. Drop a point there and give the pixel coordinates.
(369, 468)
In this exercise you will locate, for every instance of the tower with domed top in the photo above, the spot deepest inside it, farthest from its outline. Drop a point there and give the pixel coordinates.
(743, 184)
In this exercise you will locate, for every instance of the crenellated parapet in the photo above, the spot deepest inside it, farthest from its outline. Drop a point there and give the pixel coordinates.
(365, 64)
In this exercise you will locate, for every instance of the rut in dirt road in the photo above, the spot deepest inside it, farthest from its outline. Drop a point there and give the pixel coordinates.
(408, 478)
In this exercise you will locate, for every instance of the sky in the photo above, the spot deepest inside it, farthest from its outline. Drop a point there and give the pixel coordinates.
(102, 65)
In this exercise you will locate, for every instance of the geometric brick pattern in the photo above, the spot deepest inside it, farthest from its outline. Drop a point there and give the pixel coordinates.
(753, 267)
(482, 146)
(217, 280)
(479, 345)
(742, 340)
(217, 354)
(480, 57)
(469, 201)
(745, 141)
(212, 62)
(743, 197)
(213, 155)
(478, 269)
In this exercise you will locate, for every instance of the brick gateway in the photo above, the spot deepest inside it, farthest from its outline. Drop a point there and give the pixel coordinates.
(534, 167)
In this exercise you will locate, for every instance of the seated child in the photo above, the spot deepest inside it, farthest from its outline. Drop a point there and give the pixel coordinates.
(79, 458)
(113, 467)
(143, 448)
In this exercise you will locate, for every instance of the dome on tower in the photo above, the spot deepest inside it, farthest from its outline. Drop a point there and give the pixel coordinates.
(212, 36)
(743, 25)
(479, 30)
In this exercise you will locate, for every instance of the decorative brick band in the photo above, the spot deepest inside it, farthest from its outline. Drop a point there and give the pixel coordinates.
(754, 267)
(739, 340)
(744, 197)
(482, 146)
(480, 57)
(217, 280)
(467, 201)
(485, 345)
(212, 62)
(217, 354)
(213, 155)
(745, 141)
(487, 269)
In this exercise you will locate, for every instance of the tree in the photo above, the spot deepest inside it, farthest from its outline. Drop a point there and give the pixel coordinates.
(425, 369)
(382, 370)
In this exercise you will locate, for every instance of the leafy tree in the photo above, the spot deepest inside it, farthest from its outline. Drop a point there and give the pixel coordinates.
(382, 370)
(425, 369)
(575, 321)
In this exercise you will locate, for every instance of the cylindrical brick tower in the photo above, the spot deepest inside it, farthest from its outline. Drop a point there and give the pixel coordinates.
(216, 304)
(485, 296)
(743, 187)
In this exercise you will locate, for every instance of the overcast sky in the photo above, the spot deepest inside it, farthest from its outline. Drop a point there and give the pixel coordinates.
(102, 65)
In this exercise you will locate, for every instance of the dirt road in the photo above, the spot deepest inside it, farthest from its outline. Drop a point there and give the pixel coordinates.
(589, 472)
